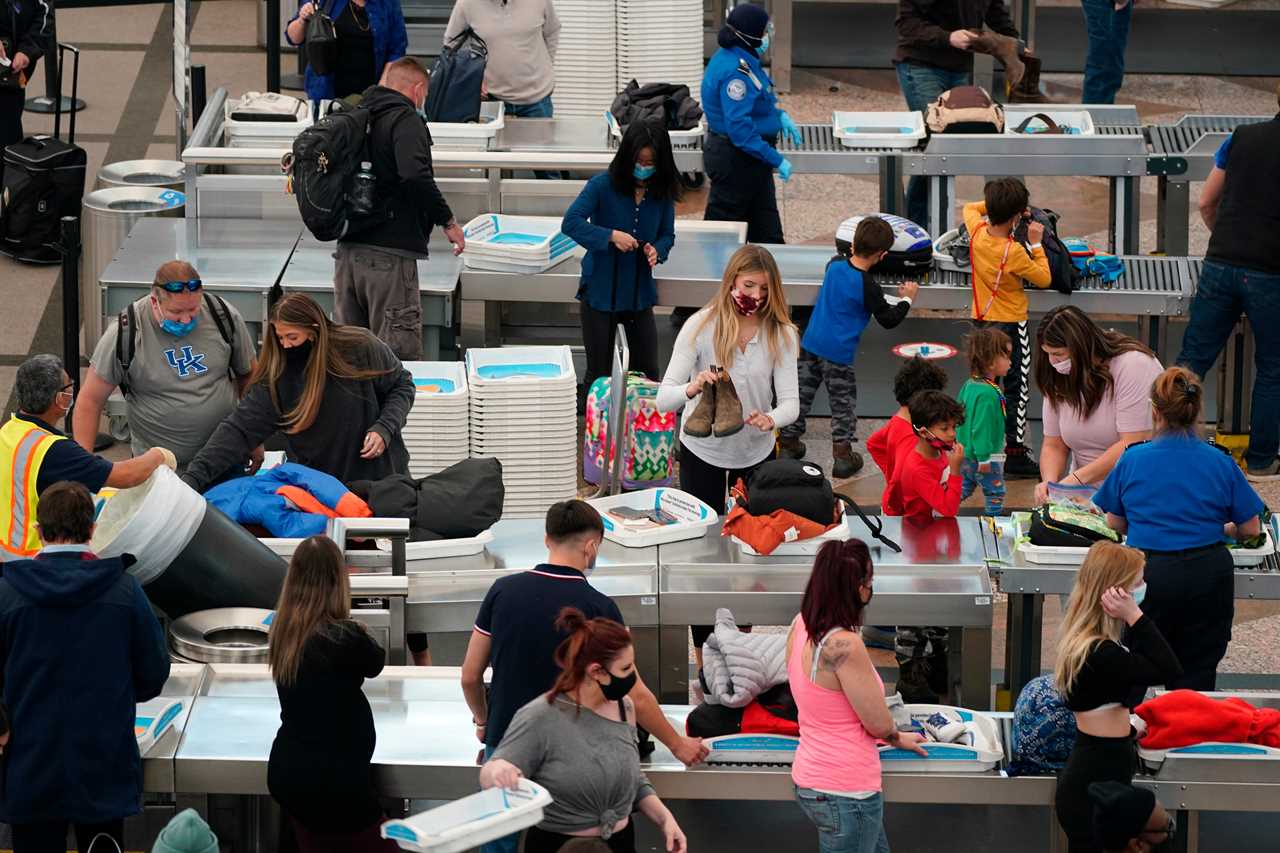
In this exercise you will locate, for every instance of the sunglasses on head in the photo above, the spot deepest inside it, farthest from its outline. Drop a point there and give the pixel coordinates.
(178, 286)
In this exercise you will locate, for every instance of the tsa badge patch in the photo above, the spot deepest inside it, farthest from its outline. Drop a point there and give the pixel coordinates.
(737, 89)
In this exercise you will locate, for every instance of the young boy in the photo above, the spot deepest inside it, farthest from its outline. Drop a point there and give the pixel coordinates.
(982, 433)
(889, 442)
(926, 481)
(1000, 265)
(849, 298)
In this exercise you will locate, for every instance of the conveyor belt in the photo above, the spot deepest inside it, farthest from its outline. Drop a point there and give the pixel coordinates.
(1179, 137)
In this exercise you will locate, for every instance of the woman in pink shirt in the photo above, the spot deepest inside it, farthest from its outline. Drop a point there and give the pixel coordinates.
(1096, 386)
(841, 701)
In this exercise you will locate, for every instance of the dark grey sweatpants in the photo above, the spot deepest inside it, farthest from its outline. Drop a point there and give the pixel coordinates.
(379, 291)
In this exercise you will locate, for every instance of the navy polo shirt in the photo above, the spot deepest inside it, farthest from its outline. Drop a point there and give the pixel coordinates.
(1176, 493)
(519, 616)
(66, 460)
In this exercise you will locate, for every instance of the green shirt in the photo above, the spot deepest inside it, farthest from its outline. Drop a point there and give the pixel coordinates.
(982, 432)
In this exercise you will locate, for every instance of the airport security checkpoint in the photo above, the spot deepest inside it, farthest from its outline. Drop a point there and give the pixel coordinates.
(604, 425)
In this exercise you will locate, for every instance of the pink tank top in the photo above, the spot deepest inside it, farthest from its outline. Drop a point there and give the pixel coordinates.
(836, 753)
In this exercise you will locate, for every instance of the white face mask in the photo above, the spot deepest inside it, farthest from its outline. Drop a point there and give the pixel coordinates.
(1063, 367)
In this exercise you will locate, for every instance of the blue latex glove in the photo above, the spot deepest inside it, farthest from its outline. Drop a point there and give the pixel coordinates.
(784, 169)
(789, 129)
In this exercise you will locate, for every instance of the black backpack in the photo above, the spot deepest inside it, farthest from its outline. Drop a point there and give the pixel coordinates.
(792, 485)
(127, 336)
(1066, 278)
(456, 79)
(1061, 527)
(324, 159)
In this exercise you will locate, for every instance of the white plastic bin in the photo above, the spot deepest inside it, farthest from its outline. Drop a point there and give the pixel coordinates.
(802, 547)
(878, 129)
(982, 754)
(504, 243)
(471, 821)
(678, 137)
(694, 517)
(470, 135)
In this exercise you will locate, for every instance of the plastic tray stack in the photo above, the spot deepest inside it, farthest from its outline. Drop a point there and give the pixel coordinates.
(660, 41)
(437, 433)
(529, 422)
(586, 59)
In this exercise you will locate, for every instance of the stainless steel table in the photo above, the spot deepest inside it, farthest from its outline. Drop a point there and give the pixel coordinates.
(185, 682)
(940, 578)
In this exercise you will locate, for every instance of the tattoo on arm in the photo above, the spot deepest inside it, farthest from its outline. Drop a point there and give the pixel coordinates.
(834, 654)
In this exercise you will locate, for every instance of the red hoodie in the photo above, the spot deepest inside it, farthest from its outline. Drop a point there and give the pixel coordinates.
(922, 487)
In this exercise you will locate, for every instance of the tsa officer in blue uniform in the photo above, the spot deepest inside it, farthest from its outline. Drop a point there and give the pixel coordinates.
(744, 121)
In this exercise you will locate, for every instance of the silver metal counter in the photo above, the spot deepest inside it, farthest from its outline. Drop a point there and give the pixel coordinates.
(940, 578)
(185, 682)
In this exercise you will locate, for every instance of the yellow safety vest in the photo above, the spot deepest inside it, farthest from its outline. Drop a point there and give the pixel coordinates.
(23, 446)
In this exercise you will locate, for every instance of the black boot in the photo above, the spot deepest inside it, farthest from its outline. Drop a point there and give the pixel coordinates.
(1019, 464)
(939, 674)
(913, 682)
(791, 448)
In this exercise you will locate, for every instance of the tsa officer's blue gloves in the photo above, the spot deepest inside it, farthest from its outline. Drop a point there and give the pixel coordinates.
(784, 169)
(789, 129)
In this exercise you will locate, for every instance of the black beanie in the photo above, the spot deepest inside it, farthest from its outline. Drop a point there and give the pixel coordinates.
(748, 20)
(1120, 813)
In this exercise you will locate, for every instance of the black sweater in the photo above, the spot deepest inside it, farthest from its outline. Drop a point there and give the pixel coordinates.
(348, 410)
(319, 769)
(1112, 673)
(925, 26)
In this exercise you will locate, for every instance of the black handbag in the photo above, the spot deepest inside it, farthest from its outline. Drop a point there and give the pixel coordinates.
(320, 41)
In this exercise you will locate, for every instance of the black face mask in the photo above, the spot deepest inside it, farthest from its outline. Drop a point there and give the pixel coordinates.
(619, 687)
(299, 356)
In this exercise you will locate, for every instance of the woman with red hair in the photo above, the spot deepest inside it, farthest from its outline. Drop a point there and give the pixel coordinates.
(841, 701)
(579, 742)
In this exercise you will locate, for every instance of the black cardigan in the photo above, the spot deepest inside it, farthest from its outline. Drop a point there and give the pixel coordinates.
(1112, 673)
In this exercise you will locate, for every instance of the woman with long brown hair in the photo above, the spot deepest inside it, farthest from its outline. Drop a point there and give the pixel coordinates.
(1101, 680)
(339, 395)
(1175, 498)
(579, 742)
(319, 770)
(1095, 384)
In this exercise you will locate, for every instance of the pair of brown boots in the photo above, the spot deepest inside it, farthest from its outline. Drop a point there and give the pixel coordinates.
(1021, 70)
(718, 412)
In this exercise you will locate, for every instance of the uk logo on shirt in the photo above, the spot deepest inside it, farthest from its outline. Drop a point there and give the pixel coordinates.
(187, 363)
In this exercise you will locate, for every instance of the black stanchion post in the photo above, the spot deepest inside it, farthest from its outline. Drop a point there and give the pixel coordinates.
(273, 45)
(47, 103)
(70, 249)
(199, 92)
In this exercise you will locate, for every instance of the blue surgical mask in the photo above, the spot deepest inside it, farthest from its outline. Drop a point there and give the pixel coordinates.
(764, 45)
(643, 173)
(178, 330)
(1138, 593)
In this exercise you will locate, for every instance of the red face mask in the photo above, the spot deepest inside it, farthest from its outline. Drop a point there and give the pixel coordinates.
(747, 305)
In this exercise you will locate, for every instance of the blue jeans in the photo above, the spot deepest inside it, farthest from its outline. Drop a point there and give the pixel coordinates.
(992, 483)
(1108, 37)
(507, 843)
(845, 825)
(921, 86)
(1224, 292)
(538, 109)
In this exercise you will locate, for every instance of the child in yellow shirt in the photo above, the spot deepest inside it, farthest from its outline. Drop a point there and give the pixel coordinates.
(1000, 265)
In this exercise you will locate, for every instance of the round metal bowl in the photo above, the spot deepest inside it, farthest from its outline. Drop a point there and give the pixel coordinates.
(142, 173)
(227, 635)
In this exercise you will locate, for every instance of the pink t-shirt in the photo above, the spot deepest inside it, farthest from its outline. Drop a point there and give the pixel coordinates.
(1125, 408)
(835, 751)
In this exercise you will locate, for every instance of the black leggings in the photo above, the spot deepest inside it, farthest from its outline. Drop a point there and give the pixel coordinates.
(541, 841)
(597, 339)
(709, 484)
(1093, 759)
(1191, 598)
(50, 836)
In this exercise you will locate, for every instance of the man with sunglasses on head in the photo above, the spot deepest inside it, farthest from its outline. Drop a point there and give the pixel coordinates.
(34, 455)
(181, 356)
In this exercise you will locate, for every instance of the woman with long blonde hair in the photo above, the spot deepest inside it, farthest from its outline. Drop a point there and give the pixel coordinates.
(732, 360)
(319, 770)
(1101, 680)
(339, 395)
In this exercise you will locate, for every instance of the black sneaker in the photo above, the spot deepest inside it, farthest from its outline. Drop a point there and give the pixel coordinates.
(913, 682)
(939, 680)
(1019, 464)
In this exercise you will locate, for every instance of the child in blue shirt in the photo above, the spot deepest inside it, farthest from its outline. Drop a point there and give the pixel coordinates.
(848, 300)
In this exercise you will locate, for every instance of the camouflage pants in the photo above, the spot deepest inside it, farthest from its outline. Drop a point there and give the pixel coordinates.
(842, 388)
(919, 642)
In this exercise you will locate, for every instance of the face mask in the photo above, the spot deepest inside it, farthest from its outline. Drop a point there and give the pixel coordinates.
(1063, 367)
(747, 305)
(764, 45)
(177, 329)
(1139, 593)
(619, 687)
(935, 442)
(643, 173)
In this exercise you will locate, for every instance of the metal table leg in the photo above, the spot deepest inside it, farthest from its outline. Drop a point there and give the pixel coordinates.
(673, 664)
(783, 36)
(975, 666)
(891, 194)
(1022, 653)
(1173, 210)
(942, 215)
(1125, 215)
(481, 323)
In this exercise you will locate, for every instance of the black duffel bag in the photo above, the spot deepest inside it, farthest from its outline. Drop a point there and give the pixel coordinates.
(793, 485)
(457, 77)
(1056, 526)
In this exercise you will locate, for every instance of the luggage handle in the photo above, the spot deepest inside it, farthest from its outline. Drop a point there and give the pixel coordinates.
(75, 88)
(616, 434)
(1053, 126)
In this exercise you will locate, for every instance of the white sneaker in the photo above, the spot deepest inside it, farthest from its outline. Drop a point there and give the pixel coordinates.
(1269, 474)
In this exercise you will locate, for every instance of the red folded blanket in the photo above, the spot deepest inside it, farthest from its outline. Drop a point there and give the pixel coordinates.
(1185, 717)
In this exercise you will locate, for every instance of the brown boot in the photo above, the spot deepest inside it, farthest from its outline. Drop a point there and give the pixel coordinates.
(1028, 89)
(791, 448)
(847, 463)
(728, 407)
(1005, 49)
(698, 424)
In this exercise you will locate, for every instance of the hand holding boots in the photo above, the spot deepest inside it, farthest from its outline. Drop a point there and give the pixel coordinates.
(719, 411)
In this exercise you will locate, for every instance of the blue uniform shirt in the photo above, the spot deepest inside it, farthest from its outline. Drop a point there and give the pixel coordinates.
(1220, 156)
(1176, 493)
(613, 280)
(738, 100)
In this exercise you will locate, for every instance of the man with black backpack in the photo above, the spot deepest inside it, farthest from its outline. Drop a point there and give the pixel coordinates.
(182, 357)
(376, 278)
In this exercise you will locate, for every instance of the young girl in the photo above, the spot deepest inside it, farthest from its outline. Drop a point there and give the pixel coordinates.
(1173, 496)
(319, 770)
(982, 433)
(1102, 680)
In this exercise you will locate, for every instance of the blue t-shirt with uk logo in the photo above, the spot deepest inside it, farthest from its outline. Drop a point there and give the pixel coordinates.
(180, 387)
